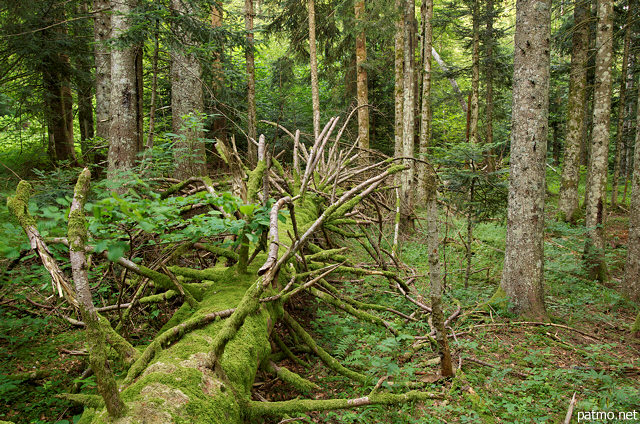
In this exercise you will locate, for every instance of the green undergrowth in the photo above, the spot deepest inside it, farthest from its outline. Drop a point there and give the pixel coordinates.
(29, 344)
(535, 370)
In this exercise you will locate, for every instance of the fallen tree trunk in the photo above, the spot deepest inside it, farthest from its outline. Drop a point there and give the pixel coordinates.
(201, 367)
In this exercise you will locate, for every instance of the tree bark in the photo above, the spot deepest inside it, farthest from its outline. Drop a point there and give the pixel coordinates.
(631, 280)
(399, 83)
(425, 114)
(407, 216)
(102, 32)
(124, 135)
(251, 83)
(522, 277)
(98, 358)
(489, 45)
(362, 88)
(56, 73)
(598, 165)
(621, 107)
(475, 74)
(570, 178)
(186, 102)
(435, 278)
(313, 67)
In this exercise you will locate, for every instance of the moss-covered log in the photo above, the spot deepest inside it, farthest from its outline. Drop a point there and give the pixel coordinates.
(201, 366)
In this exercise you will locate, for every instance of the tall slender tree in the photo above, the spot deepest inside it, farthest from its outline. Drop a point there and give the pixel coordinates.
(362, 88)
(598, 164)
(425, 114)
(474, 102)
(124, 112)
(621, 106)
(249, 54)
(186, 98)
(631, 280)
(407, 218)
(522, 277)
(102, 32)
(313, 57)
(399, 83)
(568, 195)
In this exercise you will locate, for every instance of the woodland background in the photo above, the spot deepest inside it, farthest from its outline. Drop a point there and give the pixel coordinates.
(181, 105)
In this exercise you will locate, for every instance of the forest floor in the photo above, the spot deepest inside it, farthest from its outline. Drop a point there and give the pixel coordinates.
(510, 371)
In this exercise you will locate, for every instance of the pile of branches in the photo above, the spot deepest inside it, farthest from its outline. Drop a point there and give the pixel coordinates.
(253, 258)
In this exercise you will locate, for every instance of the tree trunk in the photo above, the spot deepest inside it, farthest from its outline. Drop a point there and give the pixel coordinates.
(568, 195)
(522, 277)
(362, 88)
(621, 108)
(124, 135)
(56, 73)
(598, 165)
(59, 106)
(313, 66)
(102, 32)
(186, 103)
(252, 133)
(407, 216)
(631, 280)
(435, 278)
(98, 358)
(475, 74)
(489, 45)
(425, 114)
(399, 83)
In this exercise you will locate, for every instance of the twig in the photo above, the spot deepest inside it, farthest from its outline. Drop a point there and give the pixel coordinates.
(541, 324)
(486, 364)
(567, 420)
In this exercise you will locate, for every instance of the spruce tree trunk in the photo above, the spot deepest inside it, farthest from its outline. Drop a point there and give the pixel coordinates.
(56, 73)
(522, 277)
(313, 65)
(124, 135)
(399, 84)
(621, 108)
(631, 280)
(475, 74)
(252, 133)
(186, 98)
(568, 195)
(489, 43)
(407, 219)
(598, 165)
(102, 32)
(425, 114)
(362, 88)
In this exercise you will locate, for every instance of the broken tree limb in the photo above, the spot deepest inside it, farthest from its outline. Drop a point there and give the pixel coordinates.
(19, 206)
(77, 235)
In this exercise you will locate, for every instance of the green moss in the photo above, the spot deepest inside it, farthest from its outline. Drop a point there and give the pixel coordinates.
(330, 254)
(219, 251)
(499, 299)
(636, 325)
(291, 407)
(211, 274)
(19, 204)
(255, 180)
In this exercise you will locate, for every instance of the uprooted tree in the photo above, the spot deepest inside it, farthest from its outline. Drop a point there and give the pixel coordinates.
(247, 256)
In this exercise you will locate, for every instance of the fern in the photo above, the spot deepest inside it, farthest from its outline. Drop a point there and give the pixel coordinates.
(344, 345)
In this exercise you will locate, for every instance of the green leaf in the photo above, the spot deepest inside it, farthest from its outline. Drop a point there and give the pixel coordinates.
(116, 251)
(247, 209)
